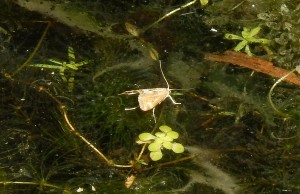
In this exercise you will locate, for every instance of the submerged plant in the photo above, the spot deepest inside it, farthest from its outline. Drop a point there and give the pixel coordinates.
(274, 85)
(62, 66)
(162, 139)
(249, 37)
(283, 25)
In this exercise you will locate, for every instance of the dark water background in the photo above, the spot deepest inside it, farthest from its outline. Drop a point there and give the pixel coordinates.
(239, 143)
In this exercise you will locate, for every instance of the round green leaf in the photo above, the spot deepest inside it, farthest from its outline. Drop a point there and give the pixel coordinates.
(165, 128)
(156, 155)
(159, 140)
(146, 136)
(167, 138)
(177, 148)
(167, 145)
(173, 134)
(154, 147)
(160, 134)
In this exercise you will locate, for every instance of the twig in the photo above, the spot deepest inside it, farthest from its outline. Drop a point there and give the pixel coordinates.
(253, 63)
(167, 15)
(75, 132)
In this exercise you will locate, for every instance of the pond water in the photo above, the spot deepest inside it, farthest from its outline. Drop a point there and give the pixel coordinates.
(149, 96)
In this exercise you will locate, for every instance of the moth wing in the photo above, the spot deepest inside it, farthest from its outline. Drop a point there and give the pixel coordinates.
(150, 98)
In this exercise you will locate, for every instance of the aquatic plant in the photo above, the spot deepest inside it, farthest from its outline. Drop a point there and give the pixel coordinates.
(283, 25)
(249, 37)
(54, 141)
(160, 140)
(72, 66)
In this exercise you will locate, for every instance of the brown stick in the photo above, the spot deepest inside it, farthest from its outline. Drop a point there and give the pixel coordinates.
(253, 63)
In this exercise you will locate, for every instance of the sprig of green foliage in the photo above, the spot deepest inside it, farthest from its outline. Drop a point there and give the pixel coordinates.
(63, 66)
(248, 37)
(162, 139)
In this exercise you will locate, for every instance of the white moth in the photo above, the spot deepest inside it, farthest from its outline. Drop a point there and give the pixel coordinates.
(149, 98)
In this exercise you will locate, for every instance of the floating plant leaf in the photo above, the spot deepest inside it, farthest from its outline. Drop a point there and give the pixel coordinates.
(167, 145)
(159, 140)
(165, 128)
(160, 134)
(156, 155)
(146, 136)
(177, 148)
(173, 134)
(153, 147)
(166, 138)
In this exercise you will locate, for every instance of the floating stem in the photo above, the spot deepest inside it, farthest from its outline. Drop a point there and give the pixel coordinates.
(271, 92)
(37, 47)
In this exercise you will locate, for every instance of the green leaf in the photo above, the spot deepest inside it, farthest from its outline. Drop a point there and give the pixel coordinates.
(167, 145)
(156, 155)
(141, 142)
(177, 148)
(165, 128)
(166, 139)
(241, 45)
(246, 33)
(254, 31)
(204, 2)
(233, 37)
(146, 137)
(154, 147)
(159, 140)
(173, 134)
(261, 41)
(160, 134)
(142, 162)
(247, 50)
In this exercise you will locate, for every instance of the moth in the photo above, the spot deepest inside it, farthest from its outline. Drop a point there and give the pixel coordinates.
(149, 98)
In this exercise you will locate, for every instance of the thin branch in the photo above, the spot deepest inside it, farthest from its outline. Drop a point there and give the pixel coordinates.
(256, 64)
(37, 47)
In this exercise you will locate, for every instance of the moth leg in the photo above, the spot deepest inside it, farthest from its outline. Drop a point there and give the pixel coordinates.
(174, 102)
(133, 108)
(153, 114)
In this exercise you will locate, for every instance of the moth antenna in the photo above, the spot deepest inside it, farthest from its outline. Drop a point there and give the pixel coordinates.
(163, 74)
(183, 89)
